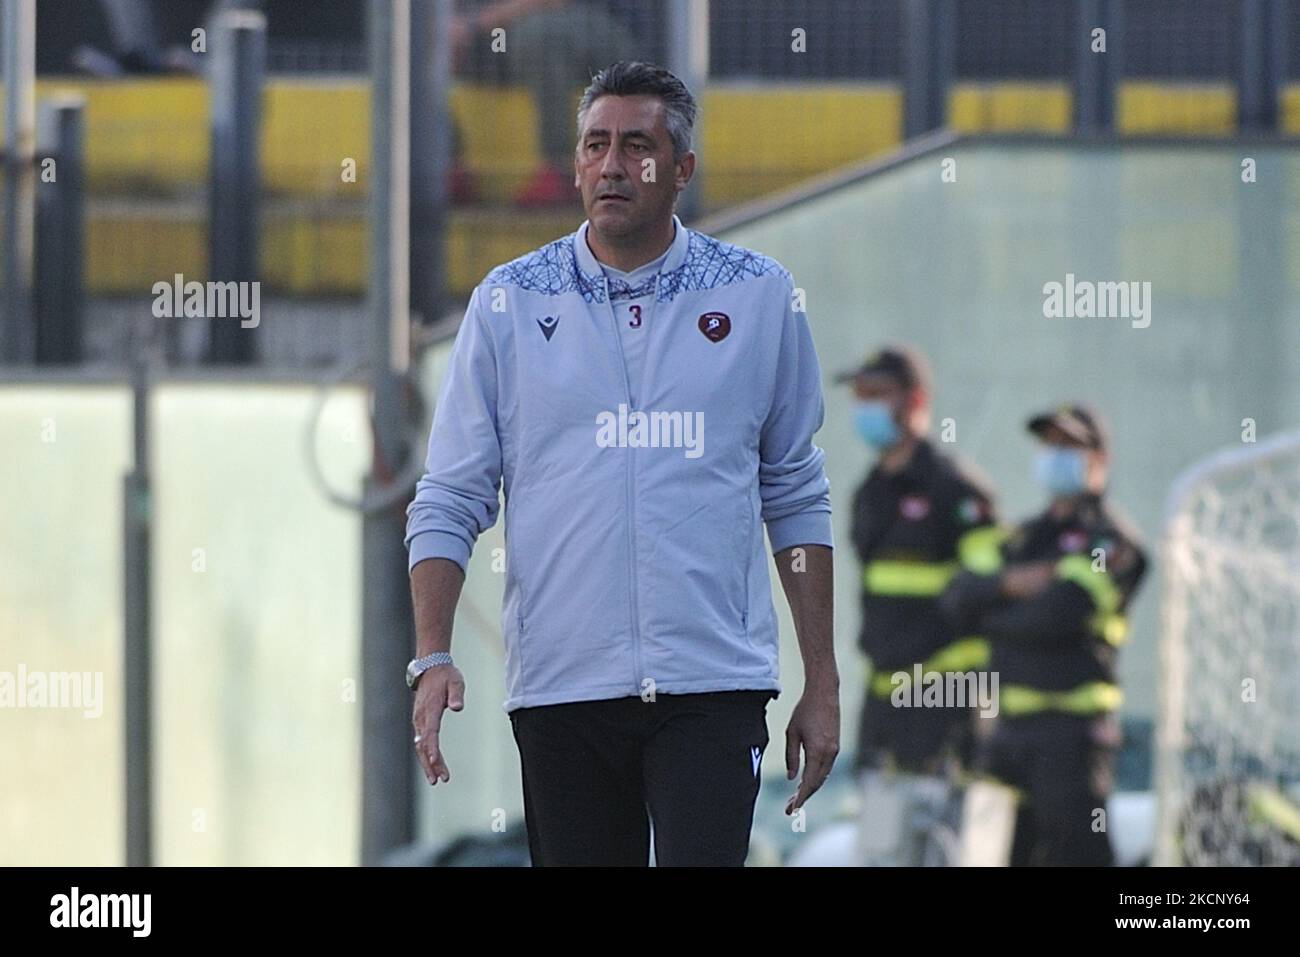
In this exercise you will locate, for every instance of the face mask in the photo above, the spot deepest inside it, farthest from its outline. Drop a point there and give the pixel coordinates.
(875, 424)
(1061, 471)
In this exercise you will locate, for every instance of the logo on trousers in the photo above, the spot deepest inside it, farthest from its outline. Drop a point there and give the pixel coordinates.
(756, 756)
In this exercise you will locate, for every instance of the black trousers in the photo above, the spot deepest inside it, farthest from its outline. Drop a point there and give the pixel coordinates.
(1063, 765)
(596, 773)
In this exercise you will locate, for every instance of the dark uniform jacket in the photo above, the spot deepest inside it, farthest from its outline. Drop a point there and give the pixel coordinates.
(1057, 650)
(912, 531)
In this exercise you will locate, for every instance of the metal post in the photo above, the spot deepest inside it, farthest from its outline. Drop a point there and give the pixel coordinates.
(944, 60)
(387, 756)
(1279, 31)
(929, 47)
(18, 335)
(137, 513)
(430, 153)
(1263, 64)
(238, 66)
(688, 57)
(1252, 98)
(59, 264)
(1097, 75)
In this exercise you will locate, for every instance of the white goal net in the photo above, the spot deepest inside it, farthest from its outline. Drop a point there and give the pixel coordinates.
(1228, 740)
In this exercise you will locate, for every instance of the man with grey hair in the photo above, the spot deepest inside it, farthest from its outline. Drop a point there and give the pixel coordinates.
(640, 636)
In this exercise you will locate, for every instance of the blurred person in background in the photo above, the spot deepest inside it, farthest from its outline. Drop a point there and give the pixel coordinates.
(1054, 614)
(640, 637)
(551, 46)
(918, 516)
(134, 43)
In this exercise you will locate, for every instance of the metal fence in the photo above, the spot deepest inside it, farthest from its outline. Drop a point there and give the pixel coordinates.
(793, 88)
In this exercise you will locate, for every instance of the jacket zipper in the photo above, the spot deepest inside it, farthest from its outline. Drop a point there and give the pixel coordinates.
(631, 493)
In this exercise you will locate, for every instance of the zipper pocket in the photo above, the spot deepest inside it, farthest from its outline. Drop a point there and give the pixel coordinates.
(748, 560)
(519, 650)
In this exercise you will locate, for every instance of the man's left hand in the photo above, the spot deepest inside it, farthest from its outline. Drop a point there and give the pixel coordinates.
(814, 726)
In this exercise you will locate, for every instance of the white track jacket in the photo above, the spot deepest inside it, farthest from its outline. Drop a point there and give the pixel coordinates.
(635, 561)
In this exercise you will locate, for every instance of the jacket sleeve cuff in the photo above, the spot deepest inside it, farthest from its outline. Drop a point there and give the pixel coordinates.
(801, 528)
(434, 544)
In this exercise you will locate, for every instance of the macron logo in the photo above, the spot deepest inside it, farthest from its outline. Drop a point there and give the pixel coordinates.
(548, 325)
(756, 756)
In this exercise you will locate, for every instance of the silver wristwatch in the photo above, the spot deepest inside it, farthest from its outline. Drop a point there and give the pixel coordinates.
(419, 666)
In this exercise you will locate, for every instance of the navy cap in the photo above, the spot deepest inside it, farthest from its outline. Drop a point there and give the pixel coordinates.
(904, 364)
(1079, 421)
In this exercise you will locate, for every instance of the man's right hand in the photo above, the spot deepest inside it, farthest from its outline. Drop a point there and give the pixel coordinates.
(439, 688)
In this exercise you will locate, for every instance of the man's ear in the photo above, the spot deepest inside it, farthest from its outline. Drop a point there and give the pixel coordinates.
(685, 168)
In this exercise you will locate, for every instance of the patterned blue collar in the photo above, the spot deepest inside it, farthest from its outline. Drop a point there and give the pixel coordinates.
(590, 265)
